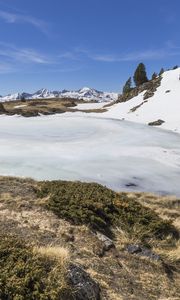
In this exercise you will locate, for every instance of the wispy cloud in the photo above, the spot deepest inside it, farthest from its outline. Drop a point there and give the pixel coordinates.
(135, 56)
(6, 68)
(9, 17)
(12, 53)
(13, 59)
(149, 54)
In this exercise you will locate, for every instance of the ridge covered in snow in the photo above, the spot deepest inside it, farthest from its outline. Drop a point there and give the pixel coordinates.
(85, 93)
(163, 105)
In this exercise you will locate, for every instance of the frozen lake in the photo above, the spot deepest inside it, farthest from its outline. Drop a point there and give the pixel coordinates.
(119, 154)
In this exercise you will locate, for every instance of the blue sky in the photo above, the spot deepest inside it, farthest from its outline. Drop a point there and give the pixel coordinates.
(68, 44)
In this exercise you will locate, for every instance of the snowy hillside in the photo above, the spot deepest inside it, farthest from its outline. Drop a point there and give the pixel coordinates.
(84, 93)
(163, 105)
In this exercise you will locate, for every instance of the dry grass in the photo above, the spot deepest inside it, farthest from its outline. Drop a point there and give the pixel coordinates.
(167, 207)
(45, 106)
(95, 110)
(114, 296)
(177, 223)
(171, 298)
(121, 275)
(58, 253)
(174, 255)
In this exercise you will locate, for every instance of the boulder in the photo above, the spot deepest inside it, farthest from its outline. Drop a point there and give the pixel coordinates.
(107, 242)
(142, 251)
(85, 288)
(156, 123)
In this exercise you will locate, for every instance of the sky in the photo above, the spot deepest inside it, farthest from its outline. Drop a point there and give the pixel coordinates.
(69, 44)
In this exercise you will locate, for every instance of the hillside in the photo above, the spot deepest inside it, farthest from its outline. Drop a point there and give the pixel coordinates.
(72, 240)
(164, 105)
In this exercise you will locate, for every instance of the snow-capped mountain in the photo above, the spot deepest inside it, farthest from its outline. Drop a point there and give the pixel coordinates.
(164, 105)
(85, 93)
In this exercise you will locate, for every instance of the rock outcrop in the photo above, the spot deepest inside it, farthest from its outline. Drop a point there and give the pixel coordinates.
(85, 287)
(158, 122)
(150, 87)
(2, 109)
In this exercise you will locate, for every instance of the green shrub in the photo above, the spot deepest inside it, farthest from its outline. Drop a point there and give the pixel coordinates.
(101, 209)
(28, 276)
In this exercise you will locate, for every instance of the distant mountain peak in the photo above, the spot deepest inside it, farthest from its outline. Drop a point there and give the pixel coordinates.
(85, 93)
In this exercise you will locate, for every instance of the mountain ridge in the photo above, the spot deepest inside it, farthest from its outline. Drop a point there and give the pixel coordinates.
(85, 93)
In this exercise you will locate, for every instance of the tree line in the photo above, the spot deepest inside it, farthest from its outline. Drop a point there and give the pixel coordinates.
(139, 77)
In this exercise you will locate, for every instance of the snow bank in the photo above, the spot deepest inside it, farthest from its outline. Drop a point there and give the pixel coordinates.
(164, 105)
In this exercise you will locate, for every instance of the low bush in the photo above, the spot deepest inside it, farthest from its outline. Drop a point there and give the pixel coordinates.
(101, 209)
(27, 275)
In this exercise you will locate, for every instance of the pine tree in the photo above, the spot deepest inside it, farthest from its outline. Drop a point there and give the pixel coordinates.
(161, 72)
(154, 75)
(175, 67)
(140, 76)
(127, 87)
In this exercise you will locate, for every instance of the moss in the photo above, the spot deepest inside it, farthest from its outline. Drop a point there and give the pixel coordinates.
(28, 276)
(101, 209)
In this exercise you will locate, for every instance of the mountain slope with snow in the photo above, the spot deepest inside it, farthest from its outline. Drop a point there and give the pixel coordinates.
(85, 93)
(163, 105)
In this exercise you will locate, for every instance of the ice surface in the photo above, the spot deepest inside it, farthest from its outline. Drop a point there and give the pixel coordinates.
(86, 106)
(112, 152)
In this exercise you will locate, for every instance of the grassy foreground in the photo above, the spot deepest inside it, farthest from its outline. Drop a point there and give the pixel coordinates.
(47, 226)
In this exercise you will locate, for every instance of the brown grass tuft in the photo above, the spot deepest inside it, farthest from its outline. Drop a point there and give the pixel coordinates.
(58, 253)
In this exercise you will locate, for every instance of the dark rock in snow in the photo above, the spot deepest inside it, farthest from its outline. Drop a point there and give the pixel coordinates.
(156, 123)
(131, 184)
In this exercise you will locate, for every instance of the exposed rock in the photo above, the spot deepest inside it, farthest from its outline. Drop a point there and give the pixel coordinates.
(148, 94)
(155, 83)
(131, 184)
(142, 251)
(2, 109)
(108, 243)
(156, 123)
(168, 91)
(150, 88)
(102, 244)
(85, 288)
(137, 106)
